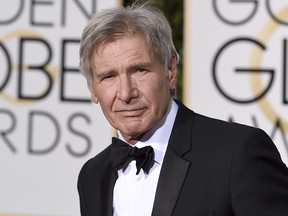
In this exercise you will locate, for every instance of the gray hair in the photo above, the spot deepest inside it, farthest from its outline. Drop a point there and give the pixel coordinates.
(111, 24)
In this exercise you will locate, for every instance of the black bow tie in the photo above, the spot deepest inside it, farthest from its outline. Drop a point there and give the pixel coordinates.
(121, 154)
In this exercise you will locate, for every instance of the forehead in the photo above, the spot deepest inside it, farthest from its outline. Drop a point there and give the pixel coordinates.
(126, 41)
(129, 50)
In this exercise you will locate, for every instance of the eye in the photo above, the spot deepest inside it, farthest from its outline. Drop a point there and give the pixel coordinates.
(108, 77)
(141, 70)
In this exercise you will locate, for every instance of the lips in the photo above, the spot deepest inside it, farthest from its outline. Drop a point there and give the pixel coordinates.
(131, 112)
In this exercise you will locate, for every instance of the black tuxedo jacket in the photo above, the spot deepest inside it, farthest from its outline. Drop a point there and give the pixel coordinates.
(210, 168)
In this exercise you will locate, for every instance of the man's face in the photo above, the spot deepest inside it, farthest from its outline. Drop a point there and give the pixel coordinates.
(131, 86)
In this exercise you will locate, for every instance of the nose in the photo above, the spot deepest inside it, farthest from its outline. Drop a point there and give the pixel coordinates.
(127, 89)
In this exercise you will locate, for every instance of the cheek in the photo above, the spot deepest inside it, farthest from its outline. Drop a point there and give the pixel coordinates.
(162, 88)
(157, 93)
(155, 84)
(107, 109)
(105, 98)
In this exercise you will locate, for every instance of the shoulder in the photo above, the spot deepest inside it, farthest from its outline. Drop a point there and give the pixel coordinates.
(220, 125)
(229, 133)
(96, 164)
(227, 129)
(219, 133)
(240, 141)
(205, 124)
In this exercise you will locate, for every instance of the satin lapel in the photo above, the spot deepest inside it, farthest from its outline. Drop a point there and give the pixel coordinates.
(169, 184)
(174, 168)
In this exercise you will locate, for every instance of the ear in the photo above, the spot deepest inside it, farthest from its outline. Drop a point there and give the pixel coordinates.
(93, 96)
(172, 73)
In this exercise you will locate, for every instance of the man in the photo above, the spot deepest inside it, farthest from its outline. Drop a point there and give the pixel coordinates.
(198, 166)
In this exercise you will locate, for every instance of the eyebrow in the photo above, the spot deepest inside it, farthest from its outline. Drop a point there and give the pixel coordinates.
(139, 65)
(101, 74)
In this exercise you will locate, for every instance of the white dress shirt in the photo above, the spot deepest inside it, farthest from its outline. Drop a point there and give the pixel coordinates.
(134, 194)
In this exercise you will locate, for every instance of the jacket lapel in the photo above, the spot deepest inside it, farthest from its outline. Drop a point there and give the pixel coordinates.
(174, 168)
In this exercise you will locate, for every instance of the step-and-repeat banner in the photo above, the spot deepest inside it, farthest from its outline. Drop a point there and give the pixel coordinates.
(236, 63)
(48, 126)
(235, 69)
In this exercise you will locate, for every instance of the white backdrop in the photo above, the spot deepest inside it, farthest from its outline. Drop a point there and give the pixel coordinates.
(235, 69)
(48, 126)
(236, 63)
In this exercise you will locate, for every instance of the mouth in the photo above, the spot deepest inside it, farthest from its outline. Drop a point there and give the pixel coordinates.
(132, 112)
